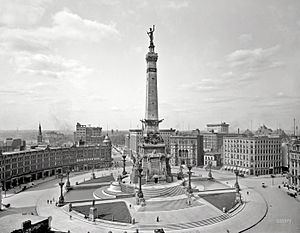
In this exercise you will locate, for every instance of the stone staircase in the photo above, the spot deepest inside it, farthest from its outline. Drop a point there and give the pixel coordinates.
(189, 225)
(163, 192)
(176, 204)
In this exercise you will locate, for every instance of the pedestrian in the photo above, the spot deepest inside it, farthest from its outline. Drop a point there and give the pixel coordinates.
(51, 202)
(129, 205)
(70, 217)
(47, 201)
(247, 193)
(157, 219)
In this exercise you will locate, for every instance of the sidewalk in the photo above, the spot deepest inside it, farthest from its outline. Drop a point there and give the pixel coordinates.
(14, 191)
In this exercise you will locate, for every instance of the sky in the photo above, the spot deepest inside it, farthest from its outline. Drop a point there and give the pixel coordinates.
(68, 61)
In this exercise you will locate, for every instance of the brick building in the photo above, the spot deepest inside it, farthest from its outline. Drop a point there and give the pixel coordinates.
(187, 149)
(88, 135)
(24, 166)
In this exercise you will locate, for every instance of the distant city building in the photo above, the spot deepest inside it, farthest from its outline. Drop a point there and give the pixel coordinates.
(12, 144)
(54, 138)
(187, 150)
(253, 155)
(166, 135)
(212, 157)
(88, 135)
(263, 131)
(294, 162)
(24, 166)
(212, 141)
(218, 128)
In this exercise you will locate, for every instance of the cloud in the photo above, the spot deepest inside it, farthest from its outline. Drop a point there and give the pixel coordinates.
(49, 65)
(206, 84)
(30, 50)
(69, 25)
(65, 26)
(245, 38)
(255, 60)
(238, 68)
(21, 13)
(177, 4)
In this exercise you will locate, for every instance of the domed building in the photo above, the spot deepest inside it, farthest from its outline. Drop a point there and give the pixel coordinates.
(107, 140)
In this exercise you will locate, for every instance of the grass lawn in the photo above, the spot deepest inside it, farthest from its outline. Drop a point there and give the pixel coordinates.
(80, 194)
(116, 210)
(221, 200)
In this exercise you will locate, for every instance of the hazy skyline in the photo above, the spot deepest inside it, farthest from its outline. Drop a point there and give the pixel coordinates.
(67, 61)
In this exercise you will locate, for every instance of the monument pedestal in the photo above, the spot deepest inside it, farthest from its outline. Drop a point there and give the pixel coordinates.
(93, 213)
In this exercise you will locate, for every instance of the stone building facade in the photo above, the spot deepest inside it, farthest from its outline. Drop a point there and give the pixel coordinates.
(187, 150)
(294, 164)
(218, 128)
(24, 166)
(252, 155)
(88, 135)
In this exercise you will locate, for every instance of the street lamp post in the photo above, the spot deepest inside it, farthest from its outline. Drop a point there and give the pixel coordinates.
(68, 185)
(0, 196)
(124, 164)
(189, 166)
(140, 192)
(61, 199)
(236, 185)
(209, 173)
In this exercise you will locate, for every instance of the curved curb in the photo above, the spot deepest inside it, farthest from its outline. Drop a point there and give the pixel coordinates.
(262, 218)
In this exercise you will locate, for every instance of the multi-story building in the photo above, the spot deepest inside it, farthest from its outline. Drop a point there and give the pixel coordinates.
(252, 155)
(24, 166)
(12, 144)
(88, 135)
(187, 150)
(212, 157)
(218, 128)
(294, 164)
(212, 141)
(166, 134)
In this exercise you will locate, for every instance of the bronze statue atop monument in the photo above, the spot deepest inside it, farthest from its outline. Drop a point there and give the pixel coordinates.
(150, 34)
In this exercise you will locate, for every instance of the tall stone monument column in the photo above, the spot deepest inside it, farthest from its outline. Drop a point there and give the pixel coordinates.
(151, 112)
(152, 149)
